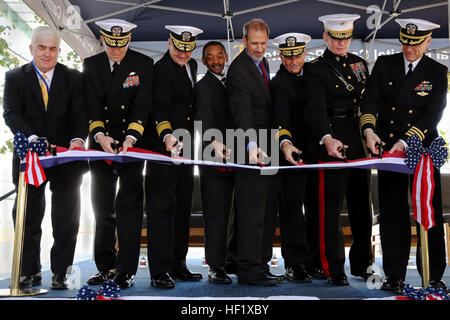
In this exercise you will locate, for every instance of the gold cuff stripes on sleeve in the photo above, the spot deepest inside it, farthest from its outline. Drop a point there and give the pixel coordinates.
(367, 119)
(96, 124)
(415, 130)
(136, 126)
(163, 125)
(283, 132)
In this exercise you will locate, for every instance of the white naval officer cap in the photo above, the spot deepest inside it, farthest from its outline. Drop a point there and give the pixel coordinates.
(339, 26)
(415, 31)
(183, 37)
(116, 32)
(292, 43)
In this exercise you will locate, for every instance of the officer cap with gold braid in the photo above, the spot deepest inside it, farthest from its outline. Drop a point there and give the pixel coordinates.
(291, 44)
(184, 37)
(116, 32)
(415, 31)
(339, 26)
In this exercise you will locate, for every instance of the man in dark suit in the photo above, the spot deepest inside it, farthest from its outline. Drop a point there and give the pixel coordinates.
(334, 84)
(255, 193)
(288, 101)
(217, 184)
(405, 95)
(118, 85)
(169, 187)
(45, 99)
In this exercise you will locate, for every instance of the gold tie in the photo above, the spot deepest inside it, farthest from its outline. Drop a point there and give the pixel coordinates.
(44, 91)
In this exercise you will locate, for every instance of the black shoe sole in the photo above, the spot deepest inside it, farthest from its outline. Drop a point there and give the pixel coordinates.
(299, 281)
(154, 285)
(227, 281)
(257, 283)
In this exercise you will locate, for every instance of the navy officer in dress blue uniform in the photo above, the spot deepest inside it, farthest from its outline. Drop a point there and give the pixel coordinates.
(405, 95)
(334, 84)
(169, 187)
(118, 86)
(288, 100)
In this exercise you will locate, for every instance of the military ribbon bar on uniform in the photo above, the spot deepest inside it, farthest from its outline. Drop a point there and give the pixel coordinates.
(34, 173)
(423, 161)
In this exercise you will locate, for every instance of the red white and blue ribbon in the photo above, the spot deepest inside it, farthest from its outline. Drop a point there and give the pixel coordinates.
(34, 172)
(422, 161)
(429, 293)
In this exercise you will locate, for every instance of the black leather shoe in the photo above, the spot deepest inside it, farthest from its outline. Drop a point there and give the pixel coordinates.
(338, 280)
(436, 284)
(218, 275)
(30, 280)
(101, 277)
(261, 280)
(297, 274)
(124, 280)
(280, 277)
(186, 275)
(230, 268)
(163, 281)
(317, 273)
(393, 284)
(59, 281)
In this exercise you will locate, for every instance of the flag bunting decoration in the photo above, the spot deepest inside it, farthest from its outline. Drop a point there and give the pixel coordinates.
(429, 293)
(109, 290)
(34, 173)
(422, 161)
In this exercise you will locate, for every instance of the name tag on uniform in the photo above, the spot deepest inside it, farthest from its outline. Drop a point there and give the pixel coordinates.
(424, 88)
(131, 81)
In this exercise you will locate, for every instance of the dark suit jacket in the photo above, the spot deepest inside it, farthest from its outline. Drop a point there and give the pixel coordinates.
(24, 110)
(249, 96)
(211, 108)
(402, 107)
(249, 99)
(118, 106)
(172, 101)
(288, 100)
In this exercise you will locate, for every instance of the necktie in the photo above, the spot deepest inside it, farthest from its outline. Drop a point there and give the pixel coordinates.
(224, 81)
(44, 91)
(410, 65)
(115, 67)
(263, 69)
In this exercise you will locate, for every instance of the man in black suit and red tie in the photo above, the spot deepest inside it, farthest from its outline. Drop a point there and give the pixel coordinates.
(118, 84)
(405, 95)
(45, 99)
(255, 193)
(169, 187)
(217, 184)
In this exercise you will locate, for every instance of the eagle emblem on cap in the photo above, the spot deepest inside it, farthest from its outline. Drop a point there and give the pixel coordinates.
(116, 31)
(411, 28)
(186, 36)
(290, 41)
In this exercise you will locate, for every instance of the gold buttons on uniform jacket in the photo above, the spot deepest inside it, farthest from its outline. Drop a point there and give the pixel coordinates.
(106, 108)
(107, 133)
(391, 135)
(123, 131)
(107, 120)
(392, 121)
(409, 124)
(124, 120)
(337, 86)
(410, 111)
(390, 83)
(344, 65)
(188, 118)
(393, 108)
(349, 77)
(354, 100)
(122, 107)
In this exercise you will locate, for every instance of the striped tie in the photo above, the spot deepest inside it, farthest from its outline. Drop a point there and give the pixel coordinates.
(44, 91)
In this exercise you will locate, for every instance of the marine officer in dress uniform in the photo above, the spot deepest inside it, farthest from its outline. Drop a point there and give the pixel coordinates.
(169, 187)
(334, 84)
(118, 86)
(288, 100)
(405, 95)
(217, 184)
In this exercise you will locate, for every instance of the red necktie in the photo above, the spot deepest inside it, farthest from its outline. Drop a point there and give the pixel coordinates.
(263, 69)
